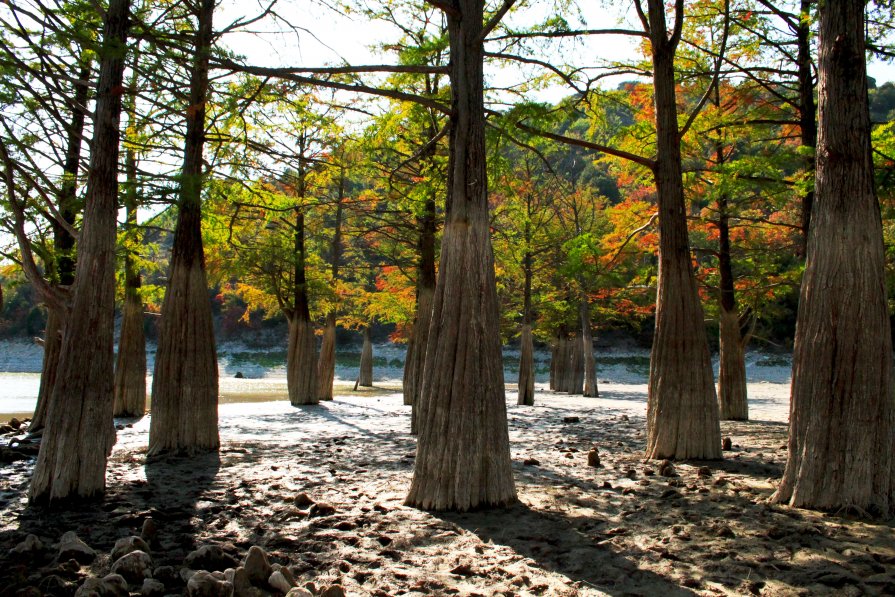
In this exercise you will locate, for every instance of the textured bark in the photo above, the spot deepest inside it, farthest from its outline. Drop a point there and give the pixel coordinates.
(732, 398)
(575, 373)
(587, 347)
(554, 361)
(682, 408)
(526, 367)
(79, 433)
(365, 377)
(842, 413)
(326, 362)
(301, 362)
(526, 345)
(301, 354)
(425, 290)
(185, 382)
(130, 367)
(64, 248)
(52, 345)
(463, 452)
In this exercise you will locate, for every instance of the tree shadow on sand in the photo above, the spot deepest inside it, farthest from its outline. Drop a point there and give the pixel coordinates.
(556, 545)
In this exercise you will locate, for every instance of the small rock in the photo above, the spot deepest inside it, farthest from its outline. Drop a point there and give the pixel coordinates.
(211, 558)
(29, 546)
(569, 455)
(720, 481)
(204, 584)
(726, 444)
(531, 462)
(257, 568)
(593, 457)
(647, 471)
(607, 485)
(303, 500)
(322, 509)
(15, 423)
(166, 575)
(299, 592)
(126, 545)
(666, 469)
(134, 566)
(111, 585)
(71, 547)
(725, 532)
(629, 491)
(149, 532)
(625, 418)
(571, 419)
(704, 472)
(56, 585)
(152, 588)
(333, 591)
(239, 375)
(631, 473)
(279, 581)
(463, 570)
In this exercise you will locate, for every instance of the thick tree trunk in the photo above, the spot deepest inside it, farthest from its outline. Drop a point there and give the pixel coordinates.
(365, 377)
(587, 346)
(52, 345)
(575, 378)
(526, 367)
(326, 363)
(425, 291)
(463, 452)
(130, 367)
(732, 402)
(79, 433)
(842, 414)
(185, 382)
(301, 354)
(64, 247)
(732, 398)
(555, 349)
(682, 407)
(301, 361)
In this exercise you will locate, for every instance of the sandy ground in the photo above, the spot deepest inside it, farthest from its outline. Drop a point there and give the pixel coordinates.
(620, 529)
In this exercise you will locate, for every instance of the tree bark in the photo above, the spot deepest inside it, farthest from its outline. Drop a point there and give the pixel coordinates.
(732, 398)
(52, 346)
(326, 365)
(301, 354)
(326, 362)
(365, 378)
(842, 414)
(425, 291)
(682, 408)
(130, 368)
(555, 348)
(185, 382)
(79, 434)
(526, 345)
(575, 373)
(301, 360)
(64, 247)
(463, 452)
(526, 367)
(587, 347)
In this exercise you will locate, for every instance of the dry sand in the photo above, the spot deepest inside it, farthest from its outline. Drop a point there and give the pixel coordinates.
(619, 529)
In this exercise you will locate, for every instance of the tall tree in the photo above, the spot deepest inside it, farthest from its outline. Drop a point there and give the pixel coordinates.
(682, 409)
(79, 434)
(463, 453)
(842, 415)
(185, 380)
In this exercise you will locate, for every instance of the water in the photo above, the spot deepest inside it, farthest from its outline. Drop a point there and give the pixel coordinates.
(264, 375)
